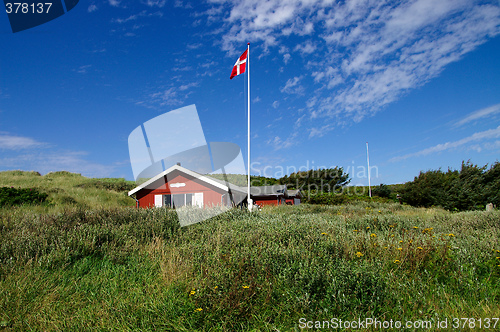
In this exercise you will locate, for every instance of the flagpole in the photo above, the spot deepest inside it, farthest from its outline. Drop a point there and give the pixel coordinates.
(368, 161)
(249, 200)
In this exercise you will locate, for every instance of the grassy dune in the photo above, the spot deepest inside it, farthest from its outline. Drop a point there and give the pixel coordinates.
(79, 267)
(69, 189)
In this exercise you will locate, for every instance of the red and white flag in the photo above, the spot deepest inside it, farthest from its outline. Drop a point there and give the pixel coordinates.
(240, 65)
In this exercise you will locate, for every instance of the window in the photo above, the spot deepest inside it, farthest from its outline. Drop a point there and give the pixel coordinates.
(178, 200)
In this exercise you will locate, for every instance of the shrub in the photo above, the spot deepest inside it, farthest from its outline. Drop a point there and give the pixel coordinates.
(382, 191)
(12, 196)
(471, 188)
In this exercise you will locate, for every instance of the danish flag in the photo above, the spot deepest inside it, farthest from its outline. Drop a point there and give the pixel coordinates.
(240, 65)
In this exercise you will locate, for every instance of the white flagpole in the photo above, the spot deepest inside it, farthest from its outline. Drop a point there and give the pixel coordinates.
(249, 200)
(368, 161)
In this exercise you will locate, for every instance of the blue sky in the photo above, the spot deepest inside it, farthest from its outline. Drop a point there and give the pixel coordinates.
(419, 80)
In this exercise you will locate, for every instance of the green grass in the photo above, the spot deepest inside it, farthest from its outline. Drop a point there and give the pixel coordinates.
(70, 189)
(78, 268)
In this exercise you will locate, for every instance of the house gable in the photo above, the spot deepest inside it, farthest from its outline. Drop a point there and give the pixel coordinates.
(178, 182)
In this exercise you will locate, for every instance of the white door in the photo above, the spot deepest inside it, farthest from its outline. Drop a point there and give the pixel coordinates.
(198, 199)
(158, 200)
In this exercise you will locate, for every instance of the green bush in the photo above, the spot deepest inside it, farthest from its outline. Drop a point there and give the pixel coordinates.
(325, 198)
(470, 188)
(382, 191)
(12, 196)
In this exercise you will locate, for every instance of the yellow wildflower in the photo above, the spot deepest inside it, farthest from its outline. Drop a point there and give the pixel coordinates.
(397, 261)
(427, 230)
(451, 235)
(367, 227)
(379, 211)
(199, 309)
(420, 248)
(324, 233)
(245, 287)
(400, 248)
(355, 230)
(216, 287)
(373, 235)
(415, 227)
(401, 241)
(192, 292)
(359, 254)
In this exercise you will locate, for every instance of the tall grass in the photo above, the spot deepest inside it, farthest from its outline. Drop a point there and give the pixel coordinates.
(135, 269)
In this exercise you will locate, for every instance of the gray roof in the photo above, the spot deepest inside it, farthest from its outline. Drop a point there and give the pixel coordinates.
(294, 193)
(276, 190)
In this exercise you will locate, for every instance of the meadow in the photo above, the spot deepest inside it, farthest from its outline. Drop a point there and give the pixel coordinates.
(89, 261)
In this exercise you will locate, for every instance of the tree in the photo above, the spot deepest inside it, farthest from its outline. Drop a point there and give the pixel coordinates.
(320, 180)
(471, 188)
(382, 191)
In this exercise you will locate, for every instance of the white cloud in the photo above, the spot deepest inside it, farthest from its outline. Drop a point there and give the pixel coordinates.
(114, 3)
(320, 132)
(10, 142)
(186, 68)
(134, 17)
(188, 86)
(278, 143)
(286, 58)
(476, 137)
(130, 18)
(479, 114)
(83, 69)
(156, 3)
(92, 8)
(167, 96)
(276, 104)
(293, 86)
(26, 153)
(364, 54)
(194, 46)
(52, 161)
(306, 48)
(283, 49)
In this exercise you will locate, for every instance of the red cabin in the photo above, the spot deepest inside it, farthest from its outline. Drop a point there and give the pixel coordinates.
(178, 186)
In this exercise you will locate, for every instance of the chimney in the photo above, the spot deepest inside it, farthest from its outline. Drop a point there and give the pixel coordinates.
(178, 164)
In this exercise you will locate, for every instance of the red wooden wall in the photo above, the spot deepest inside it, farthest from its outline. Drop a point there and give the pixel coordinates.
(211, 195)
